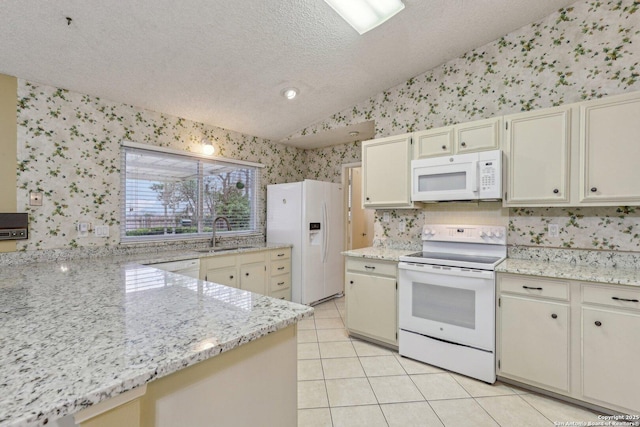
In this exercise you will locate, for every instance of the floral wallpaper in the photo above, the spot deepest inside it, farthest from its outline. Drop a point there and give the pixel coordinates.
(586, 51)
(69, 149)
(68, 143)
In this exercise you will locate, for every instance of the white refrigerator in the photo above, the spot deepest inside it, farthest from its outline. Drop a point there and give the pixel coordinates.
(309, 215)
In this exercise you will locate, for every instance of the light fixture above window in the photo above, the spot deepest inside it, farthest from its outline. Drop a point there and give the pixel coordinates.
(207, 147)
(289, 93)
(365, 15)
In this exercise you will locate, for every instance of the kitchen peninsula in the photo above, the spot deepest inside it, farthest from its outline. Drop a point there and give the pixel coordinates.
(86, 336)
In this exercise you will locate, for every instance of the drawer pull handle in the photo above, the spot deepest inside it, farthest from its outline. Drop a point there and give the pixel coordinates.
(594, 189)
(280, 283)
(624, 299)
(280, 268)
(369, 267)
(554, 316)
(444, 147)
(598, 323)
(351, 282)
(280, 254)
(556, 191)
(246, 274)
(230, 277)
(529, 287)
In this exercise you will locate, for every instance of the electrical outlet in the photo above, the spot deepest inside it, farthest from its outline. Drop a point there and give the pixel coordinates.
(554, 230)
(35, 198)
(386, 217)
(101, 231)
(402, 226)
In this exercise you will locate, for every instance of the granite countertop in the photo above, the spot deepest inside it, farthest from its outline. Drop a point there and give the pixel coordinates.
(571, 271)
(77, 332)
(378, 253)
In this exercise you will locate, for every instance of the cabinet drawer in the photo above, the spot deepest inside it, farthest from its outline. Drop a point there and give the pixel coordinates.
(618, 296)
(283, 294)
(220, 261)
(372, 267)
(252, 257)
(281, 254)
(280, 267)
(279, 283)
(527, 285)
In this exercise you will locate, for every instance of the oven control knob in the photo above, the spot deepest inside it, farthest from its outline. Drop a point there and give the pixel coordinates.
(498, 234)
(429, 232)
(490, 234)
(483, 234)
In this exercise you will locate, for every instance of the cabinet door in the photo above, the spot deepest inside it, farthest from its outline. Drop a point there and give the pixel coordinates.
(480, 135)
(610, 349)
(253, 277)
(225, 276)
(609, 150)
(386, 177)
(534, 342)
(538, 148)
(433, 142)
(371, 305)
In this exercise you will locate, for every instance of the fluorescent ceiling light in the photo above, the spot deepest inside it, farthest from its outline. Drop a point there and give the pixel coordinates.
(365, 15)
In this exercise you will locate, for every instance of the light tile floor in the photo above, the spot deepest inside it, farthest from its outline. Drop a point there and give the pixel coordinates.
(349, 382)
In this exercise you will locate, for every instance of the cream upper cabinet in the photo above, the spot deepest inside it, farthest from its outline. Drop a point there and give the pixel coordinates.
(433, 142)
(479, 135)
(609, 150)
(386, 172)
(537, 147)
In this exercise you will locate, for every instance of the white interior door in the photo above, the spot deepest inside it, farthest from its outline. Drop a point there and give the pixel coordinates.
(361, 227)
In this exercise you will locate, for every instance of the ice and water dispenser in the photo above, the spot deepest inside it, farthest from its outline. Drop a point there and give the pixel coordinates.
(315, 236)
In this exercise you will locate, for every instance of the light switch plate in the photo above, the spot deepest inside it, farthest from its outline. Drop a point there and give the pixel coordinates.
(35, 198)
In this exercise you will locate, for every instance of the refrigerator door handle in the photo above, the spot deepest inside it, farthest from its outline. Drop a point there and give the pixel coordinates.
(325, 234)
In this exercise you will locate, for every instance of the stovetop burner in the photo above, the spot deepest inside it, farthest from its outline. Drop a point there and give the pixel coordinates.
(465, 246)
(456, 257)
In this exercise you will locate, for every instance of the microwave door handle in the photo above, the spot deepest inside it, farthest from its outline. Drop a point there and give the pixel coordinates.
(473, 178)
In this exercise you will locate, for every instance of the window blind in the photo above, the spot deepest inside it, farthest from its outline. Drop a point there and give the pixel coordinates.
(168, 195)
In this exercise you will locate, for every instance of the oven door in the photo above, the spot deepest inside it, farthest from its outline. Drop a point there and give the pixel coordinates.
(433, 180)
(448, 303)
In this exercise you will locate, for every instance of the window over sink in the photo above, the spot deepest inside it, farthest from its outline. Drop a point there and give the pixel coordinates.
(169, 194)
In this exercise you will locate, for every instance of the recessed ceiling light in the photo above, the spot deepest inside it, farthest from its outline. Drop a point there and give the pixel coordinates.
(290, 92)
(365, 15)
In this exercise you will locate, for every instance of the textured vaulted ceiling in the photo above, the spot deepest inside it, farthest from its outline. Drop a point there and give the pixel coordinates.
(225, 62)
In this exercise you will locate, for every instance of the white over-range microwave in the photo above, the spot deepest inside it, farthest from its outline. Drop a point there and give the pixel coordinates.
(473, 176)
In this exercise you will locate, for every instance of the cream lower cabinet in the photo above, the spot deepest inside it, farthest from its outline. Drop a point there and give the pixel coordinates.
(386, 172)
(371, 294)
(534, 349)
(572, 338)
(265, 272)
(611, 346)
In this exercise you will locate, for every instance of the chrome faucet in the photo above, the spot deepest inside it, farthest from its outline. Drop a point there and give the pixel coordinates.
(213, 235)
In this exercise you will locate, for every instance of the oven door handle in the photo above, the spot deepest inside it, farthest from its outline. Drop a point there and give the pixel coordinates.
(449, 271)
